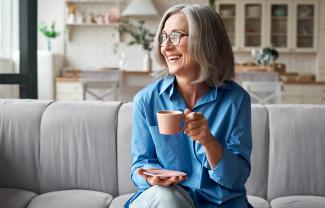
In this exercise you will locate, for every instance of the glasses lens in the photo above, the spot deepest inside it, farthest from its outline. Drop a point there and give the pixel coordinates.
(162, 38)
(174, 38)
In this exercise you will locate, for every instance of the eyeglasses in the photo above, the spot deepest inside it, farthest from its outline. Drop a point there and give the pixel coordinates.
(174, 37)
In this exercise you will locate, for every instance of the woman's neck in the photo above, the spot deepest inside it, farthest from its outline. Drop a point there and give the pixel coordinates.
(191, 92)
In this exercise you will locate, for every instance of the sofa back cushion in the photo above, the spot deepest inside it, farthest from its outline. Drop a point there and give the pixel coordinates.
(297, 143)
(124, 161)
(19, 143)
(257, 181)
(78, 146)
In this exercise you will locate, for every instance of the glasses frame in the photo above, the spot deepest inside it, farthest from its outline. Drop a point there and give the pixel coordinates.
(162, 44)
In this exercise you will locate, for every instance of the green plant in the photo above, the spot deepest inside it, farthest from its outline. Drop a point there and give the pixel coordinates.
(140, 35)
(49, 33)
(267, 56)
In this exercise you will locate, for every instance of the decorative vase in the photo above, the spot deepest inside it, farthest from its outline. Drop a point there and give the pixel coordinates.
(147, 62)
(49, 44)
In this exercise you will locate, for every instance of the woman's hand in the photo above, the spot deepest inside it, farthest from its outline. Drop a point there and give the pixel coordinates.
(196, 127)
(156, 180)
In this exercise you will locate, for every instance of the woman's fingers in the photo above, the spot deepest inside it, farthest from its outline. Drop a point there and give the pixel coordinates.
(193, 116)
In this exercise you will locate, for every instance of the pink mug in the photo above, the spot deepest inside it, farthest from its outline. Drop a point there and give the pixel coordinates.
(170, 121)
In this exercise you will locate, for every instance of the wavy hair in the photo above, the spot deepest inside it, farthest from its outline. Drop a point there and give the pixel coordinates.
(208, 43)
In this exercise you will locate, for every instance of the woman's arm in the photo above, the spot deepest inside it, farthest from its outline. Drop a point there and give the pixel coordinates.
(142, 147)
(229, 165)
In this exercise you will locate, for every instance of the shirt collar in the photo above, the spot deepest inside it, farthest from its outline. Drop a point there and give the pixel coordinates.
(212, 94)
(167, 82)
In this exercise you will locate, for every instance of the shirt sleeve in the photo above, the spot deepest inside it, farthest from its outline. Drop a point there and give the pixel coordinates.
(234, 167)
(142, 147)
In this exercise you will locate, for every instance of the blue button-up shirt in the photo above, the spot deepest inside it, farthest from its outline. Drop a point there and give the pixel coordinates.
(228, 111)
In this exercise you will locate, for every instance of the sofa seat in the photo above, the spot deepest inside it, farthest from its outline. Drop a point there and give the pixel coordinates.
(298, 202)
(72, 199)
(15, 198)
(256, 201)
(119, 201)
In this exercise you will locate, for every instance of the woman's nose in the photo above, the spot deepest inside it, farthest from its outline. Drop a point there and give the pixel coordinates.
(167, 45)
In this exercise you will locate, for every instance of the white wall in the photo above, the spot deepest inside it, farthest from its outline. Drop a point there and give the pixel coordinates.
(48, 11)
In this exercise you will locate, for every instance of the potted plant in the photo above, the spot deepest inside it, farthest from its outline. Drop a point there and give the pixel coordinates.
(49, 33)
(268, 56)
(140, 36)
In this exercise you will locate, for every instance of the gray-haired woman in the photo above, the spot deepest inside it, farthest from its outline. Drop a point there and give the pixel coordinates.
(214, 148)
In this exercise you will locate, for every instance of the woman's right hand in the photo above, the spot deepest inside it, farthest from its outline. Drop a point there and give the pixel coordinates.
(156, 180)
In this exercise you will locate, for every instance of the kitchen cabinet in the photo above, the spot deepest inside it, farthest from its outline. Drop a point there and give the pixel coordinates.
(68, 89)
(287, 25)
(303, 93)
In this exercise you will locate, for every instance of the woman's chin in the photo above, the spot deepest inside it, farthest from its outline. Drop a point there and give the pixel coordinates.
(173, 70)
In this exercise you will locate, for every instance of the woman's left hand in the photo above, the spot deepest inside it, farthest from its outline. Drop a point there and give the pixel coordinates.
(196, 127)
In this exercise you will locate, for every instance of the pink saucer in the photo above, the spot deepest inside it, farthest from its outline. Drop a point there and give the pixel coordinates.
(163, 173)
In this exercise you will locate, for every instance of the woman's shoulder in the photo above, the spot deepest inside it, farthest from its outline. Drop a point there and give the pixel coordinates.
(233, 89)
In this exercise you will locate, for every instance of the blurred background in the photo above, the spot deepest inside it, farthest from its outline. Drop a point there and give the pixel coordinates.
(101, 49)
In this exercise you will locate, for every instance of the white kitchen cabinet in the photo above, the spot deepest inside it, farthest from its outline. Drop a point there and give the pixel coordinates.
(287, 25)
(305, 23)
(303, 94)
(68, 90)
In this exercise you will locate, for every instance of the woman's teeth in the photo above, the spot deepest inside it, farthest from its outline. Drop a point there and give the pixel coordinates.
(172, 58)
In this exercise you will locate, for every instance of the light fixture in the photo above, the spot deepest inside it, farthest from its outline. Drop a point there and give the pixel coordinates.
(140, 8)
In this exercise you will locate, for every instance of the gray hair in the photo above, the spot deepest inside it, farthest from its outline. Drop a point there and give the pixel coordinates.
(208, 43)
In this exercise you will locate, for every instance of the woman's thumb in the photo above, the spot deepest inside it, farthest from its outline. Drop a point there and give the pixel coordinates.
(187, 111)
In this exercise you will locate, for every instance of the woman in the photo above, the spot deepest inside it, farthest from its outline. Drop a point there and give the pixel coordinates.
(214, 148)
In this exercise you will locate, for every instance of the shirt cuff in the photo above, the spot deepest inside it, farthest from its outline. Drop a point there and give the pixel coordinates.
(221, 173)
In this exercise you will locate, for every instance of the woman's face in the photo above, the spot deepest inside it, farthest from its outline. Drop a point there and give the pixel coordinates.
(178, 60)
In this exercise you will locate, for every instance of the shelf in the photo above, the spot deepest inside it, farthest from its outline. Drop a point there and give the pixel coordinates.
(278, 34)
(94, 25)
(306, 18)
(90, 1)
(253, 18)
(252, 34)
(72, 27)
(305, 35)
(279, 18)
(228, 18)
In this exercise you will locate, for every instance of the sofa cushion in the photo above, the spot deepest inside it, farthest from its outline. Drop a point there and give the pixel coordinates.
(15, 198)
(297, 143)
(298, 202)
(78, 146)
(71, 199)
(119, 201)
(19, 143)
(124, 149)
(258, 202)
(256, 184)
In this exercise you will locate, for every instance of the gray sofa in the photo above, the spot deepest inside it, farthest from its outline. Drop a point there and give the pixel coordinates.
(77, 155)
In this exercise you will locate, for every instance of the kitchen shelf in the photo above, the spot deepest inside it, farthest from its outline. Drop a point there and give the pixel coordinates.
(252, 34)
(279, 34)
(91, 25)
(279, 18)
(94, 25)
(93, 1)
